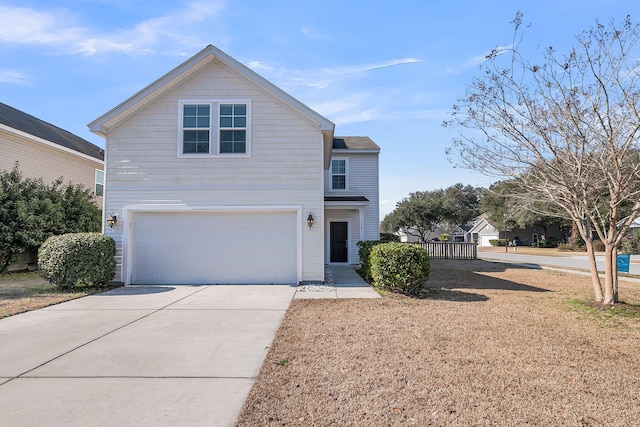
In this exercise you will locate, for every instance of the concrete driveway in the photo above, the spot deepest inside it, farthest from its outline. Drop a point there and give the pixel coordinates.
(174, 356)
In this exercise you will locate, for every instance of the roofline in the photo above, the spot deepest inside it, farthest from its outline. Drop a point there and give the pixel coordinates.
(356, 150)
(207, 54)
(49, 143)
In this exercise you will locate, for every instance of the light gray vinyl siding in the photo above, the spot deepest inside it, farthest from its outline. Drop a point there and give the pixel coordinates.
(363, 181)
(284, 169)
(38, 160)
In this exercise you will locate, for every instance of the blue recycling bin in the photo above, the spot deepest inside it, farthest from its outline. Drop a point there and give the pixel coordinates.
(623, 261)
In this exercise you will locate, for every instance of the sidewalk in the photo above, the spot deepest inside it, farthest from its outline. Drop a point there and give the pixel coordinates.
(340, 282)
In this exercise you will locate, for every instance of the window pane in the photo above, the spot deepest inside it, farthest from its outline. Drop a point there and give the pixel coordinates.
(196, 116)
(100, 177)
(189, 147)
(338, 182)
(233, 141)
(239, 135)
(196, 141)
(240, 110)
(338, 166)
(226, 122)
(226, 109)
(226, 136)
(202, 147)
(99, 190)
(226, 147)
(240, 122)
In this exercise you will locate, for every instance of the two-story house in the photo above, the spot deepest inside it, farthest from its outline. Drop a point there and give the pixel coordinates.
(215, 175)
(48, 152)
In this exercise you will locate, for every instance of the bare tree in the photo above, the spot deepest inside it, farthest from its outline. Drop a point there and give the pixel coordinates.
(566, 130)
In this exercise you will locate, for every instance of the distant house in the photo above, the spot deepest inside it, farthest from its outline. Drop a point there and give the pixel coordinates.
(48, 152)
(217, 176)
(482, 231)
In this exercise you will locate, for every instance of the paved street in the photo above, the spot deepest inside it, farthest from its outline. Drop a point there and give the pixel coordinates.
(571, 261)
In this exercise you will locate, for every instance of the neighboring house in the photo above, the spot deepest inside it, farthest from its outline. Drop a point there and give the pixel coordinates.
(215, 175)
(459, 233)
(48, 152)
(482, 231)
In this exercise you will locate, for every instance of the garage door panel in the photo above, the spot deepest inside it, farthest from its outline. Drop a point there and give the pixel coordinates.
(214, 247)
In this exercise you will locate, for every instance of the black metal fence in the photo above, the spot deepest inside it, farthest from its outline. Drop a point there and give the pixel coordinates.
(451, 250)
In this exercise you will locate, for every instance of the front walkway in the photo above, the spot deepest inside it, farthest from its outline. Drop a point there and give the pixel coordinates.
(340, 282)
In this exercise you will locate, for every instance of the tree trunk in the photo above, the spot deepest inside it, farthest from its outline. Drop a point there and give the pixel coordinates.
(610, 273)
(595, 279)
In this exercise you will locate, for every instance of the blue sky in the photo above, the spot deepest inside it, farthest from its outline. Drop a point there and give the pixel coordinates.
(390, 70)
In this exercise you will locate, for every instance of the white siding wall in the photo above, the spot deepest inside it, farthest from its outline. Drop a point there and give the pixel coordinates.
(285, 167)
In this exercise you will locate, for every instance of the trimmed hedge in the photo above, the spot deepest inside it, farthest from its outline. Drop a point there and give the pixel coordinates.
(498, 242)
(78, 259)
(399, 267)
(364, 252)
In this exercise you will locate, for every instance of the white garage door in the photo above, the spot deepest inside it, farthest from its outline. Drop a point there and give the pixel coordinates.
(485, 240)
(214, 248)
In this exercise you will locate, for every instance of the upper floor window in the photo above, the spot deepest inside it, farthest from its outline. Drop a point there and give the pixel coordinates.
(339, 174)
(233, 128)
(214, 128)
(99, 188)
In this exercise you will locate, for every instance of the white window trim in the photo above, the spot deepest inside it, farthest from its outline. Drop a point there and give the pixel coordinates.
(95, 185)
(346, 174)
(214, 129)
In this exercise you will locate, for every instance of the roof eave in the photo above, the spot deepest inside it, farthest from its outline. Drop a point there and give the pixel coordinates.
(102, 124)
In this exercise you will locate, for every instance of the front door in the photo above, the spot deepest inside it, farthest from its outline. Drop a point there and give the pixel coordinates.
(339, 244)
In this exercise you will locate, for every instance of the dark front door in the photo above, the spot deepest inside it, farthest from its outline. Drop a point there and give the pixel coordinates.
(339, 242)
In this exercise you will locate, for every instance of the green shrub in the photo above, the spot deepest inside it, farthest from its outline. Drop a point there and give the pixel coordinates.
(445, 237)
(31, 211)
(551, 242)
(498, 242)
(364, 252)
(77, 259)
(399, 267)
(389, 237)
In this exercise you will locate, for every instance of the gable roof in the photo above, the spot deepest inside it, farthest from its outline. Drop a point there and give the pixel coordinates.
(185, 70)
(483, 225)
(28, 124)
(355, 143)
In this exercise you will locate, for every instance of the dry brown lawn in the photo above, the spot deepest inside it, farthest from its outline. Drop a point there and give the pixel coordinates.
(20, 292)
(490, 345)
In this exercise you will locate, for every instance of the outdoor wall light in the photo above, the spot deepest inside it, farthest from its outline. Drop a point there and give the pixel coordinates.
(310, 220)
(112, 220)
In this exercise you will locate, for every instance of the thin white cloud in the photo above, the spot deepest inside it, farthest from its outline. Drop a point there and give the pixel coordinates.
(479, 59)
(322, 78)
(13, 77)
(369, 67)
(56, 29)
(259, 66)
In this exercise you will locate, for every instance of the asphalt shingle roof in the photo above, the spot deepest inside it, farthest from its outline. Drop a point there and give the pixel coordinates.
(24, 122)
(354, 143)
